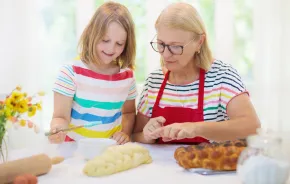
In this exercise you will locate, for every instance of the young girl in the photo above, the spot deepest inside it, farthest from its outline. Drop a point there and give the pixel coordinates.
(100, 87)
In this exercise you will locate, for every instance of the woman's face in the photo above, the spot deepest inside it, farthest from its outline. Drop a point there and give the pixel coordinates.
(112, 44)
(176, 38)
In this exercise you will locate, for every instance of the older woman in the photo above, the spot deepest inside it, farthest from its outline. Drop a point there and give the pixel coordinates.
(193, 98)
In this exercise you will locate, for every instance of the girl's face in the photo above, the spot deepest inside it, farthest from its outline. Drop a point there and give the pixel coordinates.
(112, 44)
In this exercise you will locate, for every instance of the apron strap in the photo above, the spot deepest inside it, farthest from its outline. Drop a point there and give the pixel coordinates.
(201, 89)
(161, 89)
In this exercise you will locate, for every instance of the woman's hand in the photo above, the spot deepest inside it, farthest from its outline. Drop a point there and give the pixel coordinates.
(121, 137)
(153, 125)
(176, 131)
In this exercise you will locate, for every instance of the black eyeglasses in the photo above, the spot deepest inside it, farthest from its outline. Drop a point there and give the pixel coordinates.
(173, 49)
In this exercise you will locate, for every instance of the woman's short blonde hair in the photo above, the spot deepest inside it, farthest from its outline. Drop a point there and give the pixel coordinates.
(185, 17)
(96, 29)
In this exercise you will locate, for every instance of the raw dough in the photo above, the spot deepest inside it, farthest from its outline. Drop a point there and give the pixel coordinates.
(118, 158)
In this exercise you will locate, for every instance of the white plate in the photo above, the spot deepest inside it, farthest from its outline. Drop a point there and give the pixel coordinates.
(210, 172)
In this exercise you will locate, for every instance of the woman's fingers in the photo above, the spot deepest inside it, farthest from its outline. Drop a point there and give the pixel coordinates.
(181, 134)
(169, 132)
(151, 129)
(166, 139)
(161, 120)
(173, 133)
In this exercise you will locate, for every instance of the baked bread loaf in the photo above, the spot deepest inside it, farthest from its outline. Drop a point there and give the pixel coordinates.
(214, 156)
(117, 158)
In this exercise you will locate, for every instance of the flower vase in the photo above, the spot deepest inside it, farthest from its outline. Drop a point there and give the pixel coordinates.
(4, 148)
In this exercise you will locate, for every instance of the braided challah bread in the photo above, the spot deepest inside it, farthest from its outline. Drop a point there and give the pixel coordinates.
(118, 158)
(215, 156)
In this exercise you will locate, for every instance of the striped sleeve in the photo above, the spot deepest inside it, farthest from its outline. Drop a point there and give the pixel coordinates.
(231, 85)
(65, 81)
(143, 106)
(132, 91)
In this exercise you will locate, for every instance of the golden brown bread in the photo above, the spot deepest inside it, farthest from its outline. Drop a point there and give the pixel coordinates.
(215, 156)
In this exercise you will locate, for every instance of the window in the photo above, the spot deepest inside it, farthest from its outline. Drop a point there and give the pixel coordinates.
(228, 23)
(58, 37)
(59, 45)
(243, 38)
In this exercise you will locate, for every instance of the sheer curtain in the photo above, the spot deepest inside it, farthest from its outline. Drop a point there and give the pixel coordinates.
(19, 43)
(20, 50)
(271, 87)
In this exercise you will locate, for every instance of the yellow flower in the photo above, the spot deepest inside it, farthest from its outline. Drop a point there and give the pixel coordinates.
(8, 112)
(31, 111)
(10, 103)
(39, 106)
(18, 88)
(41, 93)
(16, 95)
(22, 106)
(22, 122)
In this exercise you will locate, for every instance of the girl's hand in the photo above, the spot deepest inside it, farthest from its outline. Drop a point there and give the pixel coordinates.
(121, 137)
(60, 136)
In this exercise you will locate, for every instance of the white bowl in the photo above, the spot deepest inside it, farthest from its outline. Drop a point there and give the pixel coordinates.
(92, 147)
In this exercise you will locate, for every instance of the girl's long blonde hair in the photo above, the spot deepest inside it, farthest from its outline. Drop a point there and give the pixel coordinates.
(96, 29)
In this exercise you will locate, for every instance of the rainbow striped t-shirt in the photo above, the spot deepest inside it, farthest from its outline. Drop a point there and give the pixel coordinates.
(222, 83)
(96, 97)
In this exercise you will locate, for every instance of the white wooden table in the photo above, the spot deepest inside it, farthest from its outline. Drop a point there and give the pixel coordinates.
(163, 169)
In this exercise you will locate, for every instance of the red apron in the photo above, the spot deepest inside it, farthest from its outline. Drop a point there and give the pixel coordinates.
(181, 114)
